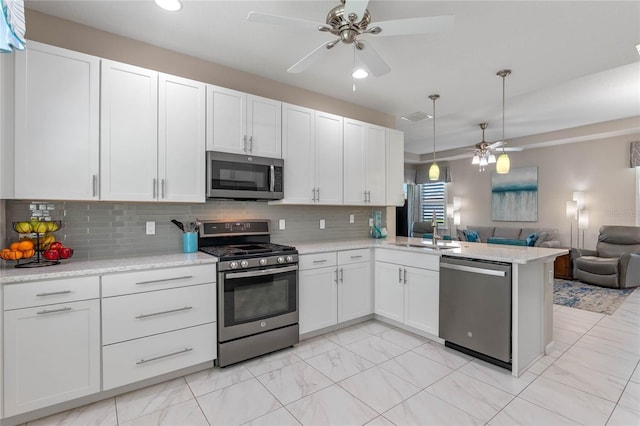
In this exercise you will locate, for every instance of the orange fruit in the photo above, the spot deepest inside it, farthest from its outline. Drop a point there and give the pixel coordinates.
(26, 254)
(25, 245)
(4, 254)
(14, 246)
(15, 255)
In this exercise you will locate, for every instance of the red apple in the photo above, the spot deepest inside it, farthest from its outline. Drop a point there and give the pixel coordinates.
(65, 252)
(55, 246)
(51, 254)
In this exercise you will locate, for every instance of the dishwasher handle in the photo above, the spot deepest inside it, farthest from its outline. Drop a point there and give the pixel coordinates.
(474, 270)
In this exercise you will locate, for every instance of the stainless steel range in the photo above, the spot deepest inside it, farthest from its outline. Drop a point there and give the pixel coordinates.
(257, 289)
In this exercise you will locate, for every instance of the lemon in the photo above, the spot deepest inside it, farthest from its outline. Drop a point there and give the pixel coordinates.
(23, 227)
(39, 227)
(52, 226)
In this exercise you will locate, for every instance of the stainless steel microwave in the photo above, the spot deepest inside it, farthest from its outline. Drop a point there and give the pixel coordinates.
(244, 177)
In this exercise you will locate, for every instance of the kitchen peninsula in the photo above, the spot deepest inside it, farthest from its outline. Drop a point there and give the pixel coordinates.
(531, 274)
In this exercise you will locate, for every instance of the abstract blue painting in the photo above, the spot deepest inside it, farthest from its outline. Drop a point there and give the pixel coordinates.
(514, 196)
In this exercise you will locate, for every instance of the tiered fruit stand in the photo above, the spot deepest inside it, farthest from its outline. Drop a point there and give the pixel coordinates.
(40, 244)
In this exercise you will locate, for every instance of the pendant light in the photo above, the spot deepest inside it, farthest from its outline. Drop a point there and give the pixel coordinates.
(434, 170)
(503, 164)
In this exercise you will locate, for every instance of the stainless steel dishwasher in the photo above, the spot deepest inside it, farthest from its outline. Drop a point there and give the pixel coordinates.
(475, 308)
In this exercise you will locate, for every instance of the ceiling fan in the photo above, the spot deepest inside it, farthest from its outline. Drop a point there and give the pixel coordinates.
(351, 20)
(483, 152)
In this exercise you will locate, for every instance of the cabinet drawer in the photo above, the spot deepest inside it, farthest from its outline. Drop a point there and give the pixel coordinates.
(157, 279)
(48, 292)
(402, 257)
(143, 314)
(140, 359)
(318, 260)
(354, 256)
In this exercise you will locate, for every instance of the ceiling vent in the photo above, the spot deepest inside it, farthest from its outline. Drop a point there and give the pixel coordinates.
(416, 116)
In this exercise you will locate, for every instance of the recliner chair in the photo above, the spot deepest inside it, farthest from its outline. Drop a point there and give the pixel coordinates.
(615, 261)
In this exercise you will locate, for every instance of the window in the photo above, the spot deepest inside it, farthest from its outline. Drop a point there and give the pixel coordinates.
(433, 197)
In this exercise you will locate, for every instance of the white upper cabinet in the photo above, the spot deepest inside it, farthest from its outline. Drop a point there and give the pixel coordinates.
(364, 163)
(395, 167)
(312, 150)
(7, 125)
(243, 124)
(129, 133)
(181, 139)
(152, 136)
(56, 123)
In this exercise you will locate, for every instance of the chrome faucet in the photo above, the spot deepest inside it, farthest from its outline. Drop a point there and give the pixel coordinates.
(434, 234)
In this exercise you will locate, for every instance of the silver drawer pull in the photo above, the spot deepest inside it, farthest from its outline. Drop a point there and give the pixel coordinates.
(52, 311)
(320, 261)
(356, 257)
(186, 277)
(155, 358)
(53, 293)
(185, 308)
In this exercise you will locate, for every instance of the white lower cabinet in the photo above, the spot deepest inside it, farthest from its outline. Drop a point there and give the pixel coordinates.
(407, 289)
(52, 351)
(156, 322)
(334, 288)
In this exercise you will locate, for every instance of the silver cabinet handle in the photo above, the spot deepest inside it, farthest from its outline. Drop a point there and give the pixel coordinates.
(336, 278)
(143, 360)
(320, 261)
(473, 269)
(318, 192)
(250, 143)
(52, 311)
(405, 276)
(155, 181)
(164, 192)
(400, 275)
(365, 196)
(341, 275)
(186, 277)
(356, 257)
(53, 293)
(94, 185)
(244, 143)
(169, 311)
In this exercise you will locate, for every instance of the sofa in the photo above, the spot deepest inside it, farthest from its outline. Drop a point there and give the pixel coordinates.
(614, 263)
(534, 237)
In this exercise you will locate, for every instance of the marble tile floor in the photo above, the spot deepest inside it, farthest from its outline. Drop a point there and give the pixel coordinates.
(374, 374)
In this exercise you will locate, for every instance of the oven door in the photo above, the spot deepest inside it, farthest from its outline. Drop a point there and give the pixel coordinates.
(256, 300)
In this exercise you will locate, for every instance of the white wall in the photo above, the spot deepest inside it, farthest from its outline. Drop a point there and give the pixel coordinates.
(600, 168)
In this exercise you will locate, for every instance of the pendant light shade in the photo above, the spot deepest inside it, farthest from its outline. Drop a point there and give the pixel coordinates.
(503, 164)
(434, 170)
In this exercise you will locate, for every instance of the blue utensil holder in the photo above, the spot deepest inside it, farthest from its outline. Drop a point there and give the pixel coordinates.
(190, 242)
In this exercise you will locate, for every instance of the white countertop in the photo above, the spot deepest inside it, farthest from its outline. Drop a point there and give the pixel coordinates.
(461, 249)
(71, 268)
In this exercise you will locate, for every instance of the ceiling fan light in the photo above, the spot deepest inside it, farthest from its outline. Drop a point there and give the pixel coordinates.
(360, 73)
(483, 161)
(504, 164)
(170, 5)
(434, 172)
(492, 159)
(475, 159)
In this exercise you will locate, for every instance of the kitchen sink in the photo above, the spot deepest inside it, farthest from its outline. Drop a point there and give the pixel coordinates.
(425, 245)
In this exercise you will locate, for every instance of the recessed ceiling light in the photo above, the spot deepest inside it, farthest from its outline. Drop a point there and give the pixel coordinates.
(360, 73)
(416, 116)
(170, 5)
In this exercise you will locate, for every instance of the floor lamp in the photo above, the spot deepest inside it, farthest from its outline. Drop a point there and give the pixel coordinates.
(572, 214)
(583, 222)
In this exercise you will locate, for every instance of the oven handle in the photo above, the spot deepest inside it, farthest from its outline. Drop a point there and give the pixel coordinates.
(260, 272)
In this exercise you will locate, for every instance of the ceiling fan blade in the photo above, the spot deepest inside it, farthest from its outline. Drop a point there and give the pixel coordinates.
(495, 145)
(357, 7)
(373, 61)
(422, 25)
(512, 148)
(283, 20)
(311, 58)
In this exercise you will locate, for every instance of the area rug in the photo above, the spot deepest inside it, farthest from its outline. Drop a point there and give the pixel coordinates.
(576, 294)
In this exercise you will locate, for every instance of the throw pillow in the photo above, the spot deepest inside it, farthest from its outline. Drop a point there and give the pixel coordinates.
(542, 236)
(531, 239)
(472, 236)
